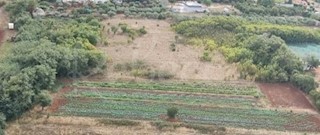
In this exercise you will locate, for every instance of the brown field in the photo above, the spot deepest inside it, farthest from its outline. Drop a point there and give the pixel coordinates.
(154, 49)
(285, 96)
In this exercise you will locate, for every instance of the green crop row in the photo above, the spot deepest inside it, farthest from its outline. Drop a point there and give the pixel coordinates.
(227, 89)
(178, 98)
(230, 117)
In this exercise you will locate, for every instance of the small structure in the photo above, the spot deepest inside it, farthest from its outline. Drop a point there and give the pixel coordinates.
(38, 12)
(11, 26)
(189, 7)
(117, 1)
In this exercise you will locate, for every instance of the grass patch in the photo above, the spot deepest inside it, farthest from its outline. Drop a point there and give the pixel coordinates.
(129, 66)
(214, 101)
(139, 68)
(160, 125)
(118, 122)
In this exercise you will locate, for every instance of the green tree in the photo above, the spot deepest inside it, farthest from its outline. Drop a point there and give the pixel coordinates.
(266, 3)
(172, 112)
(313, 62)
(114, 29)
(172, 1)
(2, 123)
(44, 99)
(304, 82)
(206, 2)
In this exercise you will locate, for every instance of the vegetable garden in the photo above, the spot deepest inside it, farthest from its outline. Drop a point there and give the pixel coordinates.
(139, 103)
(218, 88)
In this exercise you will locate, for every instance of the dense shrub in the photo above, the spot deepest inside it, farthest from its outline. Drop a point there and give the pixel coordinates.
(259, 48)
(269, 9)
(316, 97)
(304, 82)
(2, 123)
(44, 49)
(152, 9)
(282, 20)
(2, 3)
(287, 33)
(159, 74)
(172, 112)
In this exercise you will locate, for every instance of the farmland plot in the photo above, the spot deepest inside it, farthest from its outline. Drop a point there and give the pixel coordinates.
(194, 108)
(218, 88)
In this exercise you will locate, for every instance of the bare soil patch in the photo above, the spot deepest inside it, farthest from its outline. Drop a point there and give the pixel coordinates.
(59, 99)
(154, 49)
(1, 35)
(285, 96)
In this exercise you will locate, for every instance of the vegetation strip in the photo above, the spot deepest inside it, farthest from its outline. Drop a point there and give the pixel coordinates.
(214, 89)
(174, 98)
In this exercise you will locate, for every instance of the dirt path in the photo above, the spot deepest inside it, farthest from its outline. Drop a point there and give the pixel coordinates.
(5, 34)
(58, 125)
(286, 96)
(3, 25)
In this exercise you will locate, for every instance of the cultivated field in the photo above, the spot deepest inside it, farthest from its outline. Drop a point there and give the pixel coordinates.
(197, 105)
(286, 96)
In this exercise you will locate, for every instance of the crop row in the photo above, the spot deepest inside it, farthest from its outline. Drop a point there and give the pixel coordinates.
(190, 99)
(233, 117)
(222, 88)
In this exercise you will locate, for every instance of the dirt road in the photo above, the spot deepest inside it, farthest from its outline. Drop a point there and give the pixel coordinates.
(5, 34)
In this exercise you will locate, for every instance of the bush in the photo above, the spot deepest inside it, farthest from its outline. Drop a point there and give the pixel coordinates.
(2, 123)
(93, 39)
(119, 122)
(205, 57)
(2, 3)
(316, 97)
(142, 31)
(304, 82)
(129, 66)
(159, 74)
(173, 47)
(172, 112)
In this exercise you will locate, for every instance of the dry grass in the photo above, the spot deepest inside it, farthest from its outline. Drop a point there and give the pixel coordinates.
(39, 124)
(154, 49)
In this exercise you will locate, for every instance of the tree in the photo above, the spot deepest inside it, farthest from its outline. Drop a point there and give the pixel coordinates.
(206, 2)
(43, 99)
(172, 112)
(2, 123)
(172, 1)
(304, 82)
(313, 62)
(114, 29)
(32, 4)
(266, 3)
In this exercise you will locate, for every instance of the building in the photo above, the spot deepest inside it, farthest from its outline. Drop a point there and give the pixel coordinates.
(189, 7)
